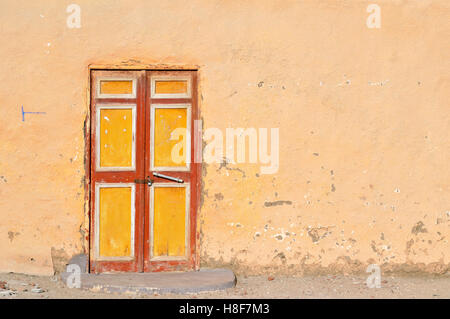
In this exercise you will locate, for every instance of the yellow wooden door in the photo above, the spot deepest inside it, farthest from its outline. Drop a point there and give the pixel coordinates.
(171, 205)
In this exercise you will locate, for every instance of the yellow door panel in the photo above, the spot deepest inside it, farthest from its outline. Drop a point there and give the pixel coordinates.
(116, 137)
(171, 86)
(116, 87)
(170, 140)
(169, 221)
(115, 220)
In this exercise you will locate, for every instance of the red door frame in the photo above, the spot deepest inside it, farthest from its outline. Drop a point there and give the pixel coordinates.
(141, 262)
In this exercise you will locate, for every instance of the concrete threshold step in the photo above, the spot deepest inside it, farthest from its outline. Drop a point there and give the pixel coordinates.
(158, 282)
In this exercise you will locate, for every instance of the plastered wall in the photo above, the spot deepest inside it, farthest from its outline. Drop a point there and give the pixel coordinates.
(362, 114)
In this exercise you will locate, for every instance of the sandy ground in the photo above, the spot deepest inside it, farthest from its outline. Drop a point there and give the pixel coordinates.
(13, 286)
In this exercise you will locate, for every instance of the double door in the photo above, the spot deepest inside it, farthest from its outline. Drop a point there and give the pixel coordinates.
(143, 178)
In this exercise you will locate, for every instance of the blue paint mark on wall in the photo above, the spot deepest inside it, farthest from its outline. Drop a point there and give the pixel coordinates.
(23, 114)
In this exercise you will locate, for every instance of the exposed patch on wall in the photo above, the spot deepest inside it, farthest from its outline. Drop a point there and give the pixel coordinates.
(318, 233)
(224, 164)
(59, 260)
(409, 244)
(278, 203)
(12, 235)
(280, 256)
(419, 228)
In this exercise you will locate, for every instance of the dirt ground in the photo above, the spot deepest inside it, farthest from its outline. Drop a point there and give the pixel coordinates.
(13, 286)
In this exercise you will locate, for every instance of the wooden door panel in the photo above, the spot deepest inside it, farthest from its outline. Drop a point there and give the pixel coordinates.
(169, 211)
(120, 87)
(115, 221)
(170, 145)
(116, 136)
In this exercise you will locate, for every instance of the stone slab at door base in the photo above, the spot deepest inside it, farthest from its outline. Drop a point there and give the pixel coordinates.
(161, 283)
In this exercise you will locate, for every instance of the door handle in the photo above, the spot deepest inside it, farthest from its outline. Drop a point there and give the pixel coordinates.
(170, 178)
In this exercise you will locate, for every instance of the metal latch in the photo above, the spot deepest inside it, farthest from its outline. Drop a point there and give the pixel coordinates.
(147, 181)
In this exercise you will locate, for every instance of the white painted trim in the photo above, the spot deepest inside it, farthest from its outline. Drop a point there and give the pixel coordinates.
(187, 223)
(100, 107)
(116, 96)
(97, 220)
(186, 168)
(171, 95)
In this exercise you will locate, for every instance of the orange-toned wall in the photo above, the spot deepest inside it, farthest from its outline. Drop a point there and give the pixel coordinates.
(363, 117)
